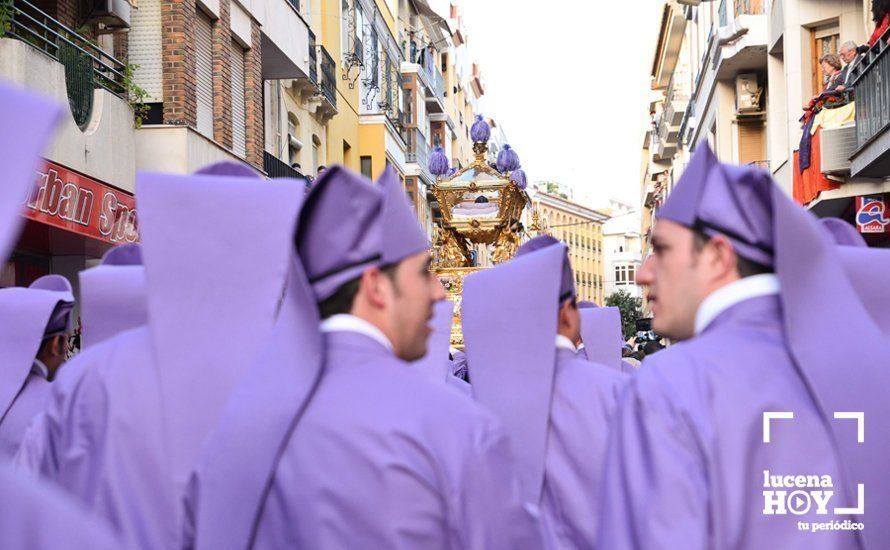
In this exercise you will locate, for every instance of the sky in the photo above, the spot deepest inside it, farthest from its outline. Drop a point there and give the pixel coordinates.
(568, 80)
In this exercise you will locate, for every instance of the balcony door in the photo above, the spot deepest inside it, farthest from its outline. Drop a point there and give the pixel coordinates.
(824, 40)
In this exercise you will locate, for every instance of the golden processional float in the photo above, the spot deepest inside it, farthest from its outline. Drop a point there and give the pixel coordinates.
(481, 222)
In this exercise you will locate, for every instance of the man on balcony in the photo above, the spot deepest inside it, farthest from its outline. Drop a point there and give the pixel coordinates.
(849, 54)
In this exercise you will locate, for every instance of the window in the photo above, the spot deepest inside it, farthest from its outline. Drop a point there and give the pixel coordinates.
(316, 144)
(293, 140)
(366, 167)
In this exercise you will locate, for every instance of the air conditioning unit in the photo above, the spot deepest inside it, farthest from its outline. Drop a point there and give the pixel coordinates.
(747, 93)
(114, 14)
(838, 145)
(689, 2)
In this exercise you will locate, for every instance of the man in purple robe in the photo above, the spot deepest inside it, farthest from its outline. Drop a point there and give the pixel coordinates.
(520, 324)
(751, 431)
(36, 325)
(32, 517)
(356, 449)
(125, 425)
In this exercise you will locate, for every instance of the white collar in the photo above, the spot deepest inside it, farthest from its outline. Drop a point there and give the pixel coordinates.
(565, 343)
(723, 298)
(350, 323)
(40, 369)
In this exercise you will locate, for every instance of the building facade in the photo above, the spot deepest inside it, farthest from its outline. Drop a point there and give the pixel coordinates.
(581, 228)
(284, 86)
(622, 249)
(736, 73)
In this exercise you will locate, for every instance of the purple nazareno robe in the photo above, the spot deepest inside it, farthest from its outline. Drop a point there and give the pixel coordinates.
(601, 334)
(112, 295)
(128, 418)
(686, 460)
(690, 463)
(32, 517)
(357, 448)
(25, 316)
(556, 406)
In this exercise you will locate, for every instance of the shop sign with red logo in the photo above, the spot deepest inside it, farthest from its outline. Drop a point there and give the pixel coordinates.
(74, 202)
(871, 214)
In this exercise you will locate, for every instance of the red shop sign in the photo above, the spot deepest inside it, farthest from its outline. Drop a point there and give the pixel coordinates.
(74, 202)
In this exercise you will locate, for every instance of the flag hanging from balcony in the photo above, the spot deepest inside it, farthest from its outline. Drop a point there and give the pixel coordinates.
(810, 181)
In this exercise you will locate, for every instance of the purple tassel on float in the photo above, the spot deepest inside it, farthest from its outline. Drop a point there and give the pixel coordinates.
(508, 160)
(480, 132)
(438, 163)
(518, 177)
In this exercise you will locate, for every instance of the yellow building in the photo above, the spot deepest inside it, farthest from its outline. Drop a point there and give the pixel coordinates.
(581, 229)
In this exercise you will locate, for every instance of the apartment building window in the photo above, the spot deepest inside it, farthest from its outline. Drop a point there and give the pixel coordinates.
(366, 167)
(824, 40)
(344, 28)
(625, 274)
(239, 102)
(204, 73)
(316, 144)
(293, 140)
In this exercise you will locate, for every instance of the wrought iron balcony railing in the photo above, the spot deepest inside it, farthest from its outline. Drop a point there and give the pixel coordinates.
(277, 168)
(435, 80)
(87, 67)
(313, 59)
(418, 151)
(871, 78)
(328, 71)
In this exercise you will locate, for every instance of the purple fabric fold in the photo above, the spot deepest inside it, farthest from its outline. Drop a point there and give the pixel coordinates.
(601, 334)
(512, 364)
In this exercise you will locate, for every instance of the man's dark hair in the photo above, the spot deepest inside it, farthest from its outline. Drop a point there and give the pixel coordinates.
(746, 267)
(342, 300)
(652, 347)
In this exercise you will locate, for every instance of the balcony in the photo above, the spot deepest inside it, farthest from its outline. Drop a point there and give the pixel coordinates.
(872, 82)
(328, 71)
(418, 153)
(41, 54)
(277, 168)
(285, 36)
(433, 83)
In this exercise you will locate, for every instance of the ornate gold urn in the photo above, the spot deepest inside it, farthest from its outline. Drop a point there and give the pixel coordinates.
(481, 207)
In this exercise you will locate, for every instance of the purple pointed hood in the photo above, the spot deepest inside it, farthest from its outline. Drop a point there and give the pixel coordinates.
(346, 225)
(27, 316)
(112, 295)
(435, 363)
(381, 229)
(567, 280)
(601, 334)
(206, 330)
(842, 232)
(509, 317)
(820, 307)
(729, 200)
(28, 121)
